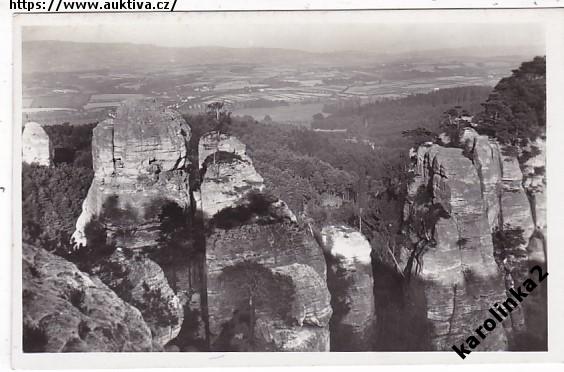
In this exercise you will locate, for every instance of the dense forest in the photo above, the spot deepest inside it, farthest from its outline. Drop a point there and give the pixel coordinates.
(52, 196)
(383, 122)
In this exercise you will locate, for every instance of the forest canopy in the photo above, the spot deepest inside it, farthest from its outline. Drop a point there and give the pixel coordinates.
(515, 112)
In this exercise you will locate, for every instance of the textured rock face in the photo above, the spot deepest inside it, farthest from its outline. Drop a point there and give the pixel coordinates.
(307, 339)
(506, 183)
(309, 306)
(486, 156)
(277, 247)
(516, 215)
(512, 200)
(350, 281)
(269, 238)
(140, 164)
(271, 245)
(308, 318)
(211, 143)
(466, 203)
(458, 269)
(514, 203)
(36, 148)
(230, 178)
(66, 310)
(534, 183)
(142, 283)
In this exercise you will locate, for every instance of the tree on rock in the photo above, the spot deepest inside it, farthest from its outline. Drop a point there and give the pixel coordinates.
(419, 135)
(222, 119)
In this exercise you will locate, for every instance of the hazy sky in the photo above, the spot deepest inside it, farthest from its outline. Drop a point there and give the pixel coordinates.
(319, 37)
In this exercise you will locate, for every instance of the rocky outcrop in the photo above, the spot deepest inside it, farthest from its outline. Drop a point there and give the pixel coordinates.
(211, 143)
(142, 283)
(36, 147)
(294, 339)
(512, 199)
(141, 171)
(472, 214)
(66, 310)
(486, 156)
(228, 173)
(277, 247)
(309, 305)
(140, 161)
(352, 288)
(255, 238)
(305, 328)
(506, 183)
(534, 183)
(453, 252)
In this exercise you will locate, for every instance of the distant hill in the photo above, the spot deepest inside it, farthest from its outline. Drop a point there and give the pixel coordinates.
(40, 56)
(64, 56)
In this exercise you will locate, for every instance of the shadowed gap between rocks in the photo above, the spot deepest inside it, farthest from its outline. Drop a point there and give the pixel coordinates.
(401, 322)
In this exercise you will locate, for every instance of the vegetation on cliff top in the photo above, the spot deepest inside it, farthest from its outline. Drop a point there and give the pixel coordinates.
(515, 112)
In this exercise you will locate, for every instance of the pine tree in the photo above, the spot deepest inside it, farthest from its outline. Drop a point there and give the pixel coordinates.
(515, 112)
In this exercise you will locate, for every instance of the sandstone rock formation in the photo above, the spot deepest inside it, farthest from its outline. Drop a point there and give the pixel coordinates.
(486, 156)
(534, 183)
(461, 278)
(474, 234)
(211, 143)
(252, 228)
(67, 310)
(514, 191)
(139, 160)
(352, 287)
(142, 283)
(230, 178)
(278, 247)
(308, 314)
(36, 147)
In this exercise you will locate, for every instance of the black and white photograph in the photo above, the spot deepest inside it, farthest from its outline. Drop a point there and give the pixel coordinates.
(292, 182)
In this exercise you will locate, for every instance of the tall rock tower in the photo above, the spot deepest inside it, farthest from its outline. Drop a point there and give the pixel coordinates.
(140, 169)
(140, 163)
(36, 148)
(351, 284)
(262, 268)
